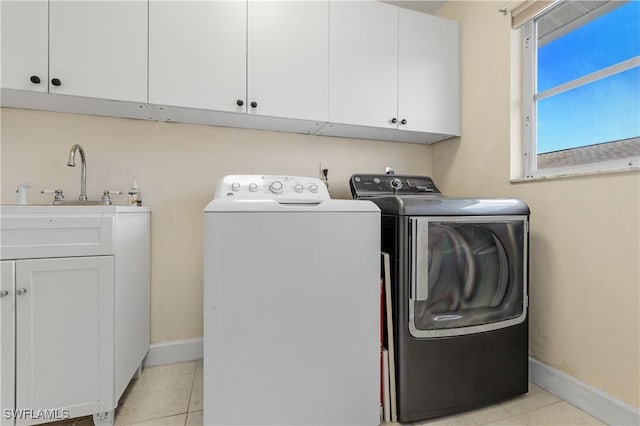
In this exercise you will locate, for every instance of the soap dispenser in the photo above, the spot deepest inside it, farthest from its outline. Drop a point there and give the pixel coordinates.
(135, 195)
(22, 192)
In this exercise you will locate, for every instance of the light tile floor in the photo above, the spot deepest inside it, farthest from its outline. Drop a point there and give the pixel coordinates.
(171, 395)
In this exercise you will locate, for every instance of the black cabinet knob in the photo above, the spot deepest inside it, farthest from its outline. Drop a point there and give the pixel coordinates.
(394, 120)
(56, 82)
(35, 79)
(403, 121)
(239, 102)
(254, 104)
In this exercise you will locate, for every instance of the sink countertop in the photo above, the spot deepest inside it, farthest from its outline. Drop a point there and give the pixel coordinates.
(68, 209)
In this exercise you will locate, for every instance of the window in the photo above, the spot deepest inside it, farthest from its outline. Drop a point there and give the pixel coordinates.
(582, 88)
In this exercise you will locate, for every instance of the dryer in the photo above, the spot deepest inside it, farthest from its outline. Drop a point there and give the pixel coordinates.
(291, 305)
(459, 294)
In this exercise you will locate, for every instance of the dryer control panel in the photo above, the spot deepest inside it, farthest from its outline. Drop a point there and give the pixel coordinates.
(283, 189)
(367, 186)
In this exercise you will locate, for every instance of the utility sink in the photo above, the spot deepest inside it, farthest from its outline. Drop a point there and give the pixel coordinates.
(63, 230)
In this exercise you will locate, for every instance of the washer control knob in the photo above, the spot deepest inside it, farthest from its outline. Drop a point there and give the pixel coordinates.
(396, 183)
(276, 187)
(313, 188)
(253, 187)
(235, 186)
(298, 188)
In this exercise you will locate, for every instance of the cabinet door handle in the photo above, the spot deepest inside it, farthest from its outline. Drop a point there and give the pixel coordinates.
(35, 79)
(21, 291)
(239, 102)
(4, 293)
(56, 82)
(254, 104)
(394, 120)
(403, 121)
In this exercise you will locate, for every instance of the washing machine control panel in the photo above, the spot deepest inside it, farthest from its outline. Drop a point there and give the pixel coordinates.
(283, 189)
(368, 185)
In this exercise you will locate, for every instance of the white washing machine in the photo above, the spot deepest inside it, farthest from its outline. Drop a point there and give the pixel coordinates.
(291, 305)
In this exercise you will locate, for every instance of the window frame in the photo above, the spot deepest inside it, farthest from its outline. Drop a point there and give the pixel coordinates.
(530, 99)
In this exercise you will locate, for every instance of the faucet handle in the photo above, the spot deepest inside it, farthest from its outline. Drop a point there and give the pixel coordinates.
(58, 197)
(106, 196)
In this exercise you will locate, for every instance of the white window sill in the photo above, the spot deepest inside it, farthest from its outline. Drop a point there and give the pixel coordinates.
(553, 175)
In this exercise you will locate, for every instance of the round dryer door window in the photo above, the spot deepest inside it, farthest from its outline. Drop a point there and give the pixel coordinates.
(468, 274)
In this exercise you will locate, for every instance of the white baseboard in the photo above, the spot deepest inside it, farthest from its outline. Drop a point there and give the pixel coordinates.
(174, 351)
(588, 398)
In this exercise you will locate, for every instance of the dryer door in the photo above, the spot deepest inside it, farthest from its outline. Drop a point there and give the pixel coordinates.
(468, 274)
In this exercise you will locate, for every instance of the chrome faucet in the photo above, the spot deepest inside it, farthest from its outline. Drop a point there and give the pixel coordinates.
(83, 170)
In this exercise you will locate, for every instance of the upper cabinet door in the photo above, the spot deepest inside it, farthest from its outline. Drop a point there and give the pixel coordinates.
(288, 52)
(363, 63)
(98, 49)
(429, 74)
(25, 27)
(197, 54)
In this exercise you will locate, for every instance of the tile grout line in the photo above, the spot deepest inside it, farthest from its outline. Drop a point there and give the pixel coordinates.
(186, 412)
(193, 383)
(514, 416)
(151, 419)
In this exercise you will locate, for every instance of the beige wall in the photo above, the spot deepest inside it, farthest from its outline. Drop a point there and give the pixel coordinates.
(177, 166)
(585, 232)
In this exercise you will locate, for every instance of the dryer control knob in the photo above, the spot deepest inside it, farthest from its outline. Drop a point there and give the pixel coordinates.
(298, 188)
(253, 187)
(235, 186)
(396, 183)
(276, 187)
(313, 188)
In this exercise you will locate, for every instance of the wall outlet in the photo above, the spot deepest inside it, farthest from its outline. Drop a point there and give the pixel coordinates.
(321, 169)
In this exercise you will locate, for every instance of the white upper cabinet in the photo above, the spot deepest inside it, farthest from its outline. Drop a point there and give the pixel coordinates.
(288, 53)
(197, 54)
(25, 63)
(428, 74)
(98, 49)
(351, 68)
(262, 57)
(392, 68)
(94, 49)
(363, 63)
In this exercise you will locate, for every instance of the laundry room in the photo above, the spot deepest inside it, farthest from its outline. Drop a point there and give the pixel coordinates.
(580, 243)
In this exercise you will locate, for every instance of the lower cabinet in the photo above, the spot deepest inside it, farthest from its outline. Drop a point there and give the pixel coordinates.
(7, 341)
(74, 310)
(57, 318)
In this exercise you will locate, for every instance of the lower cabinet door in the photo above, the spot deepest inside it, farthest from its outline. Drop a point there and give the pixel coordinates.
(7, 343)
(64, 338)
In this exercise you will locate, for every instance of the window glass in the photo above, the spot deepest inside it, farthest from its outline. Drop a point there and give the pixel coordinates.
(613, 37)
(596, 117)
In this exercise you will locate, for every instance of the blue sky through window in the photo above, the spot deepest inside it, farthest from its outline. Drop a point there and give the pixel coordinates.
(604, 110)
